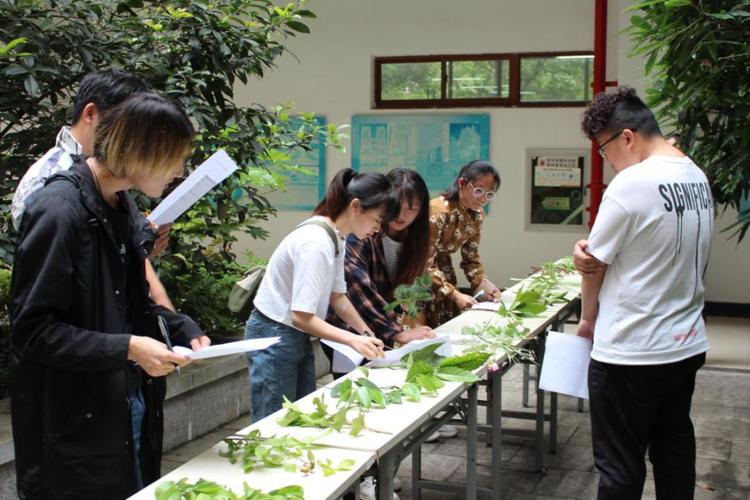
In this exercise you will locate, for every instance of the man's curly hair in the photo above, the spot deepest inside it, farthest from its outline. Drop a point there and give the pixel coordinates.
(620, 110)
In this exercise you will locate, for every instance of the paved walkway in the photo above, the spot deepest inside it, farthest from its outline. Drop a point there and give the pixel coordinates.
(721, 414)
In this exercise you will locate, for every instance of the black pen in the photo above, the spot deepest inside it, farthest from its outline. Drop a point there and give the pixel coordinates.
(165, 334)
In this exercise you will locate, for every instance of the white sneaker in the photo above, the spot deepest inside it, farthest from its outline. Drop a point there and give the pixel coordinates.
(367, 489)
(396, 484)
(435, 436)
(448, 431)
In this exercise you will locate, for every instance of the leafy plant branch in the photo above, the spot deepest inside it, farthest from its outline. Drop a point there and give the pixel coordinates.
(411, 298)
(205, 490)
(526, 303)
(500, 340)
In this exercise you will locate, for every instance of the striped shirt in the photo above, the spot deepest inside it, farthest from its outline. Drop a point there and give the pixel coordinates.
(391, 250)
(56, 159)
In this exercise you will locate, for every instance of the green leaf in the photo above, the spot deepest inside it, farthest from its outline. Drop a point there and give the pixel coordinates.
(339, 420)
(377, 397)
(298, 26)
(346, 464)
(15, 69)
(674, 4)
(418, 368)
(357, 425)
(342, 390)
(411, 392)
(31, 85)
(394, 397)
(469, 361)
(430, 383)
(456, 374)
(363, 395)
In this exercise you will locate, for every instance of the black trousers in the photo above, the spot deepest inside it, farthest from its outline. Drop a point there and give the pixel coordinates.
(635, 408)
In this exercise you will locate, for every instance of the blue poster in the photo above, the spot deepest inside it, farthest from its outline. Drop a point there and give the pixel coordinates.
(435, 145)
(302, 191)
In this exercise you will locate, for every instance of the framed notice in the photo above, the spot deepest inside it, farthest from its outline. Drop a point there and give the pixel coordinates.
(435, 145)
(556, 188)
(303, 190)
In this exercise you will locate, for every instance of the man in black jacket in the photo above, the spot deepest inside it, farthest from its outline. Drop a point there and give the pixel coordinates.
(99, 92)
(86, 360)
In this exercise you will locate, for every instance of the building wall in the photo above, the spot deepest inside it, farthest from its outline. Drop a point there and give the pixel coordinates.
(332, 75)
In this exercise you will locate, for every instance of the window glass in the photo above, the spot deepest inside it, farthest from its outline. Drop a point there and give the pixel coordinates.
(556, 78)
(478, 79)
(408, 81)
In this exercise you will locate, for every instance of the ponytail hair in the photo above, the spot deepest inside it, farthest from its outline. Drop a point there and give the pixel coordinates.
(410, 188)
(469, 172)
(372, 189)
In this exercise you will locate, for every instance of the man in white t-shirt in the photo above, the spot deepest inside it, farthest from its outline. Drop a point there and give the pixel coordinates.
(643, 268)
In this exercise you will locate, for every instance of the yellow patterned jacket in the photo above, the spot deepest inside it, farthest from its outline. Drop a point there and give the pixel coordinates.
(452, 227)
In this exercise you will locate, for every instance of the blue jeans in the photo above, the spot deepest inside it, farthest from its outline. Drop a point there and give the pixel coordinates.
(137, 411)
(284, 369)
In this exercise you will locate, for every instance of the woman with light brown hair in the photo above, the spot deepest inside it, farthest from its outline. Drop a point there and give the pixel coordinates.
(87, 358)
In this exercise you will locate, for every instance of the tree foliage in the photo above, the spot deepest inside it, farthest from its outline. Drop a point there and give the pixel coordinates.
(698, 56)
(196, 52)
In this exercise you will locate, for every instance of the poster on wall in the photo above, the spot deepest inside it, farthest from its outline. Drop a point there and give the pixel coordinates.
(435, 145)
(555, 180)
(303, 191)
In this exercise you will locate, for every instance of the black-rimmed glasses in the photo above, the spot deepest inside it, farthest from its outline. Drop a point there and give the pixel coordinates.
(601, 150)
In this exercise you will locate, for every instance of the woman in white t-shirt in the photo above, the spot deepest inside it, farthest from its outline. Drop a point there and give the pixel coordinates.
(304, 276)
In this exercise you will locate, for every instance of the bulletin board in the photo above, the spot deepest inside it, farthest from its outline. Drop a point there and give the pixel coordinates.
(556, 189)
(435, 145)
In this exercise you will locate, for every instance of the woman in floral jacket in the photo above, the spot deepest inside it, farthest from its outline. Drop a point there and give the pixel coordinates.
(455, 224)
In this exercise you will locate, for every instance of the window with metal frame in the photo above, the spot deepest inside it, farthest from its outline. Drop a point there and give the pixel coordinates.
(533, 79)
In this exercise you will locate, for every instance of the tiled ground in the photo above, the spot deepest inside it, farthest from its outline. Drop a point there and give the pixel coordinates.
(721, 413)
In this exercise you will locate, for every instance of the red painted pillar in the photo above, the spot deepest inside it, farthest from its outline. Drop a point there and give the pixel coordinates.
(600, 75)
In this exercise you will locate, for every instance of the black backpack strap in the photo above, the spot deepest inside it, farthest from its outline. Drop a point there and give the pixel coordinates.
(328, 229)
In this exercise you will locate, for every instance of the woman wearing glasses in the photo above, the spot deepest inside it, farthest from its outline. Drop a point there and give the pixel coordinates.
(455, 224)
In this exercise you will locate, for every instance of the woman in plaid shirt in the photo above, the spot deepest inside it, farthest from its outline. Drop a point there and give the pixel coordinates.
(377, 264)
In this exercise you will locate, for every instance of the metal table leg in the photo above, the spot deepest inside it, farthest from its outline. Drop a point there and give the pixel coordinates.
(525, 390)
(495, 406)
(553, 422)
(539, 435)
(386, 469)
(416, 473)
(471, 442)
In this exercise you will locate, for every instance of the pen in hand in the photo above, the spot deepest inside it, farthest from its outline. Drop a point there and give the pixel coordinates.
(368, 333)
(165, 333)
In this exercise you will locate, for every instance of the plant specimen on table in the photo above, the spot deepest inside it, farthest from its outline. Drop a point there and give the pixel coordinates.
(255, 451)
(526, 303)
(412, 297)
(428, 371)
(363, 393)
(205, 490)
(500, 340)
(320, 417)
(330, 469)
(548, 280)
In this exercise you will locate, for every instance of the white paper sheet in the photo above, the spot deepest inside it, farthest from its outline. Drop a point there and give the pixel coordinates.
(486, 306)
(211, 172)
(240, 346)
(393, 357)
(345, 359)
(566, 365)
